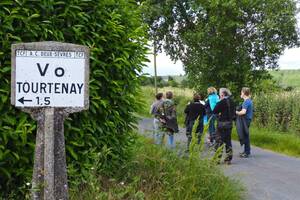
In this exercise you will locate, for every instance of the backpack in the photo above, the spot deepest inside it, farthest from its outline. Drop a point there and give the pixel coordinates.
(168, 116)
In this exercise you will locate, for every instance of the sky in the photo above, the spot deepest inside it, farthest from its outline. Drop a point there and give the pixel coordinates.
(289, 60)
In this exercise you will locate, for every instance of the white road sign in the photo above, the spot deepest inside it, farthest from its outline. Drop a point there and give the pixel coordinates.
(49, 78)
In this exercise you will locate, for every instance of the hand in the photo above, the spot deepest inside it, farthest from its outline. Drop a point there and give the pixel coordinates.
(162, 121)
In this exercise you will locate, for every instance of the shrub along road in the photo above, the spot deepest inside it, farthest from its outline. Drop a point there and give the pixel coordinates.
(267, 175)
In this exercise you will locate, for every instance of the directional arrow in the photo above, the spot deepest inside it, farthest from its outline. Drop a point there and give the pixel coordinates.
(22, 100)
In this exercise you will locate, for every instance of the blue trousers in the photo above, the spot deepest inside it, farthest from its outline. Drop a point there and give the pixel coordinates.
(158, 135)
(212, 127)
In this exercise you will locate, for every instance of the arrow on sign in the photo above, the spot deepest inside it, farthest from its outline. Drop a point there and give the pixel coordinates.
(22, 100)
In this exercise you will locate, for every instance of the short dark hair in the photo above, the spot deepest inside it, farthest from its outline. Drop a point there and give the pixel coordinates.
(169, 95)
(159, 96)
(197, 97)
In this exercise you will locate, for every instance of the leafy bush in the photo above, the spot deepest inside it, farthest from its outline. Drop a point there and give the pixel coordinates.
(114, 33)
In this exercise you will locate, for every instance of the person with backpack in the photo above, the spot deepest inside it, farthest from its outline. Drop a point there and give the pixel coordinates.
(247, 113)
(211, 102)
(168, 118)
(194, 110)
(157, 132)
(225, 112)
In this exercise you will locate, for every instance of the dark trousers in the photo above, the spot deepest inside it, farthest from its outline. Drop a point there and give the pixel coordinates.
(247, 148)
(223, 136)
(189, 130)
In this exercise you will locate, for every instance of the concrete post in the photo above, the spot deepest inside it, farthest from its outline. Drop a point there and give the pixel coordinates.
(50, 175)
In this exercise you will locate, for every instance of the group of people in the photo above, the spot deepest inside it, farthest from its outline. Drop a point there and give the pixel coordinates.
(218, 110)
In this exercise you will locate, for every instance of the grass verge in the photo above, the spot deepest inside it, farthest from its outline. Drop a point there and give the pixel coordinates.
(157, 173)
(281, 142)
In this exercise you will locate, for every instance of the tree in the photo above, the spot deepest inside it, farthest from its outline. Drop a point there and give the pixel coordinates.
(228, 43)
(170, 78)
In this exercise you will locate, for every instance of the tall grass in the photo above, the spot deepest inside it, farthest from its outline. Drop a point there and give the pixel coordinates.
(158, 173)
(280, 111)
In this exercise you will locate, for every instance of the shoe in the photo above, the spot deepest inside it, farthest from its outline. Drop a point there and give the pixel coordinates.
(211, 144)
(244, 155)
(227, 162)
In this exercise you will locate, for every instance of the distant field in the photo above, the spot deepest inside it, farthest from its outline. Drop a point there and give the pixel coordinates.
(177, 78)
(287, 77)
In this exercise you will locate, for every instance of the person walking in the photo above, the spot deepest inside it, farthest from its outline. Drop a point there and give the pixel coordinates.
(211, 103)
(225, 112)
(247, 112)
(157, 126)
(168, 118)
(194, 110)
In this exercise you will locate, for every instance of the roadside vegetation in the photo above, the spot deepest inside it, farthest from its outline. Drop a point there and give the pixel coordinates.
(158, 173)
(277, 118)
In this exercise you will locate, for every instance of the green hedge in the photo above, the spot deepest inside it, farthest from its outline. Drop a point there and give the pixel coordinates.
(114, 32)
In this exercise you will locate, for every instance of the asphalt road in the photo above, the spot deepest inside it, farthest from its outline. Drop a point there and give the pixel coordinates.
(266, 175)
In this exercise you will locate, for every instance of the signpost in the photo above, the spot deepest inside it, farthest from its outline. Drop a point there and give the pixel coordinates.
(49, 80)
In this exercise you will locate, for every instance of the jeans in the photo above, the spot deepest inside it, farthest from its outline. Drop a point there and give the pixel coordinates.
(171, 143)
(189, 130)
(224, 136)
(211, 127)
(158, 135)
(247, 148)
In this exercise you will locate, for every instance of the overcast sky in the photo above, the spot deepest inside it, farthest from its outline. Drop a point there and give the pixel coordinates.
(289, 60)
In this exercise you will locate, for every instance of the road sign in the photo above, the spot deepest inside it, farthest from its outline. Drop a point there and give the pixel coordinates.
(49, 78)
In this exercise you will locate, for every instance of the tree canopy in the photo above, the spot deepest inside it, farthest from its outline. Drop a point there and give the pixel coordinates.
(223, 42)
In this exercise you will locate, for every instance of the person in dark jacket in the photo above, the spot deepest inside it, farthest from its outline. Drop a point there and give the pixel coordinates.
(225, 112)
(194, 110)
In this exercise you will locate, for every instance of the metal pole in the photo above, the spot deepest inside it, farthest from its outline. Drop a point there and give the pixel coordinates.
(155, 70)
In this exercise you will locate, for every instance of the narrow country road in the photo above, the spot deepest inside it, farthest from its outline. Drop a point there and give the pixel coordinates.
(266, 175)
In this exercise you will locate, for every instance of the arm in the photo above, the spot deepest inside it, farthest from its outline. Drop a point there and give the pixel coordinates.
(242, 112)
(151, 109)
(187, 109)
(217, 109)
(244, 109)
(203, 111)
